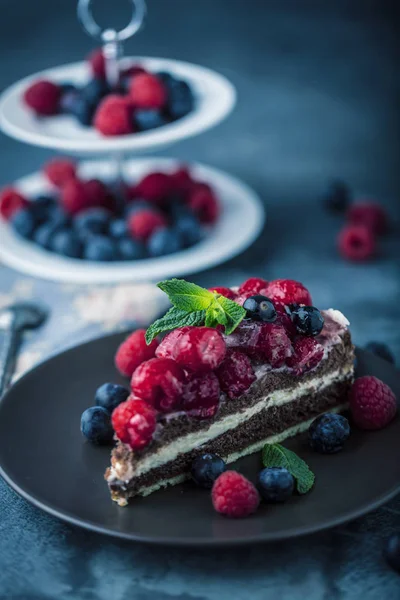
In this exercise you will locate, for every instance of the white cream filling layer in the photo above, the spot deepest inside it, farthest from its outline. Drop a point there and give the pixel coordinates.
(169, 452)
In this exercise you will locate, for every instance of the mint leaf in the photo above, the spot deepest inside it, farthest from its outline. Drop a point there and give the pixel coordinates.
(172, 319)
(187, 296)
(231, 314)
(275, 455)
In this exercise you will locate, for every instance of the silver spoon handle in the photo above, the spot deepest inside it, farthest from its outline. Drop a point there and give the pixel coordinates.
(9, 344)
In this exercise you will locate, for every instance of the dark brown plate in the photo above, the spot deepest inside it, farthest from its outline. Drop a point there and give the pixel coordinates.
(45, 459)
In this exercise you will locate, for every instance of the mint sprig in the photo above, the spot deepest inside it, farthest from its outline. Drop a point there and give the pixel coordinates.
(275, 455)
(194, 305)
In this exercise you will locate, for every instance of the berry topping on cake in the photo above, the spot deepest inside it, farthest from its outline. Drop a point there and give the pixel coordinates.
(372, 403)
(143, 224)
(200, 398)
(160, 382)
(113, 116)
(134, 423)
(234, 496)
(381, 350)
(96, 425)
(60, 170)
(97, 63)
(328, 432)
(357, 243)
(370, 214)
(307, 320)
(206, 468)
(167, 346)
(275, 344)
(204, 203)
(147, 91)
(43, 97)
(11, 201)
(133, 352)
(110, 395)
(287, 291)
(275, 484)
(307, 354)
(260, 308)
(154, 187)
(235, 374)
(224, 291)
(252, 286)
(200, 349)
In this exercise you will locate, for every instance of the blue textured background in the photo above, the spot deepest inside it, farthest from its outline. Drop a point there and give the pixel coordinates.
(318, 88)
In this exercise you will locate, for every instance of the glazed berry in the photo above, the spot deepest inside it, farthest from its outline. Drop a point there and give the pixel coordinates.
(252, 286)
(74, 197)
(167, 346)
(100, 248)
(370, 215)
(372, 403)
(147, 91)
(163, 241)
(160, 382)
(260, 308)
(150, 118)
(96, 425)
(206, 468)
(200, 349)
(287, 291)
(204, 204)
(43, 97)
(307, 354)
(188, 230)
(113, 116)
(275, 484)
(235, 374)
(328, 433)
(143, 224)
(129, 249)
(201, 394)
(134, 423)
(308, 320)
(357, 243)
(266, 341)
(337, 196)
(93, 221)
(234, 496)
(381, 350)
(133, 351)
(60, 170)
(154, 187)
(66, 243)
(23, 222)
(110, 395)
(97, 63)
(180, 99)
(11, 201)
(392, 551)
(224, 291)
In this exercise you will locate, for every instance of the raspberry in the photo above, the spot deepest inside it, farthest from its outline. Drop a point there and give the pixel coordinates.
(287, 291)
(356, 243)
(204, 203)
(43, 97)
(134, 422)
(307, 354)
(132, 71)
(227, 292)
(369, 214)
(372, 403)
(181, 182)
(74, 197)
(60, 170)
(284, 319)
(97, 63)
(201, 394)
(11, 201)
(276, 344)
(235, 374)
(160, 382)
(154, 187)
(252, 286)
(142, 224)
(113, 116)
(133, 352)
(98, 194)
(234, 496)
(200, 349)
(147, 91)
(166, 348)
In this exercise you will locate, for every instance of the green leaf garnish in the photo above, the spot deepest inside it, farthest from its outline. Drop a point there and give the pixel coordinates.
(275, 455)
(194, 305)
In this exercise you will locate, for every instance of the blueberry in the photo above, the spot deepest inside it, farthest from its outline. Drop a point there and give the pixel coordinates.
(75, 104)
(276, 484)
(149, 119)
(166, 78)
(164, 241)
(180, 100)
(260, 308)
(381, 350)
(308, 320)
(100, 248)
(24, 222)
(93, 221)
(96, 425)
(41, 207)
(206, 468)
(137, 205)
(129, 249)
(189, 230)
(392, 551)
(67, 243)
(67, 87)
(44, 234)
(58, 218)
(94, 91)
(328, 432)
(110, 395)
(337, 196)
(118, 228)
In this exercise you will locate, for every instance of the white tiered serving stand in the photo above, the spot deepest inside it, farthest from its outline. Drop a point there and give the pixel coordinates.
(242, 211)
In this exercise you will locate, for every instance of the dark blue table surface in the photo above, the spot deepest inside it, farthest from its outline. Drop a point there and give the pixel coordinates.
(317, 97)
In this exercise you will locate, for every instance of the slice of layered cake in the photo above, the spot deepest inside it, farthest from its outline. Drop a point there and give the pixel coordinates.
(237, 368)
